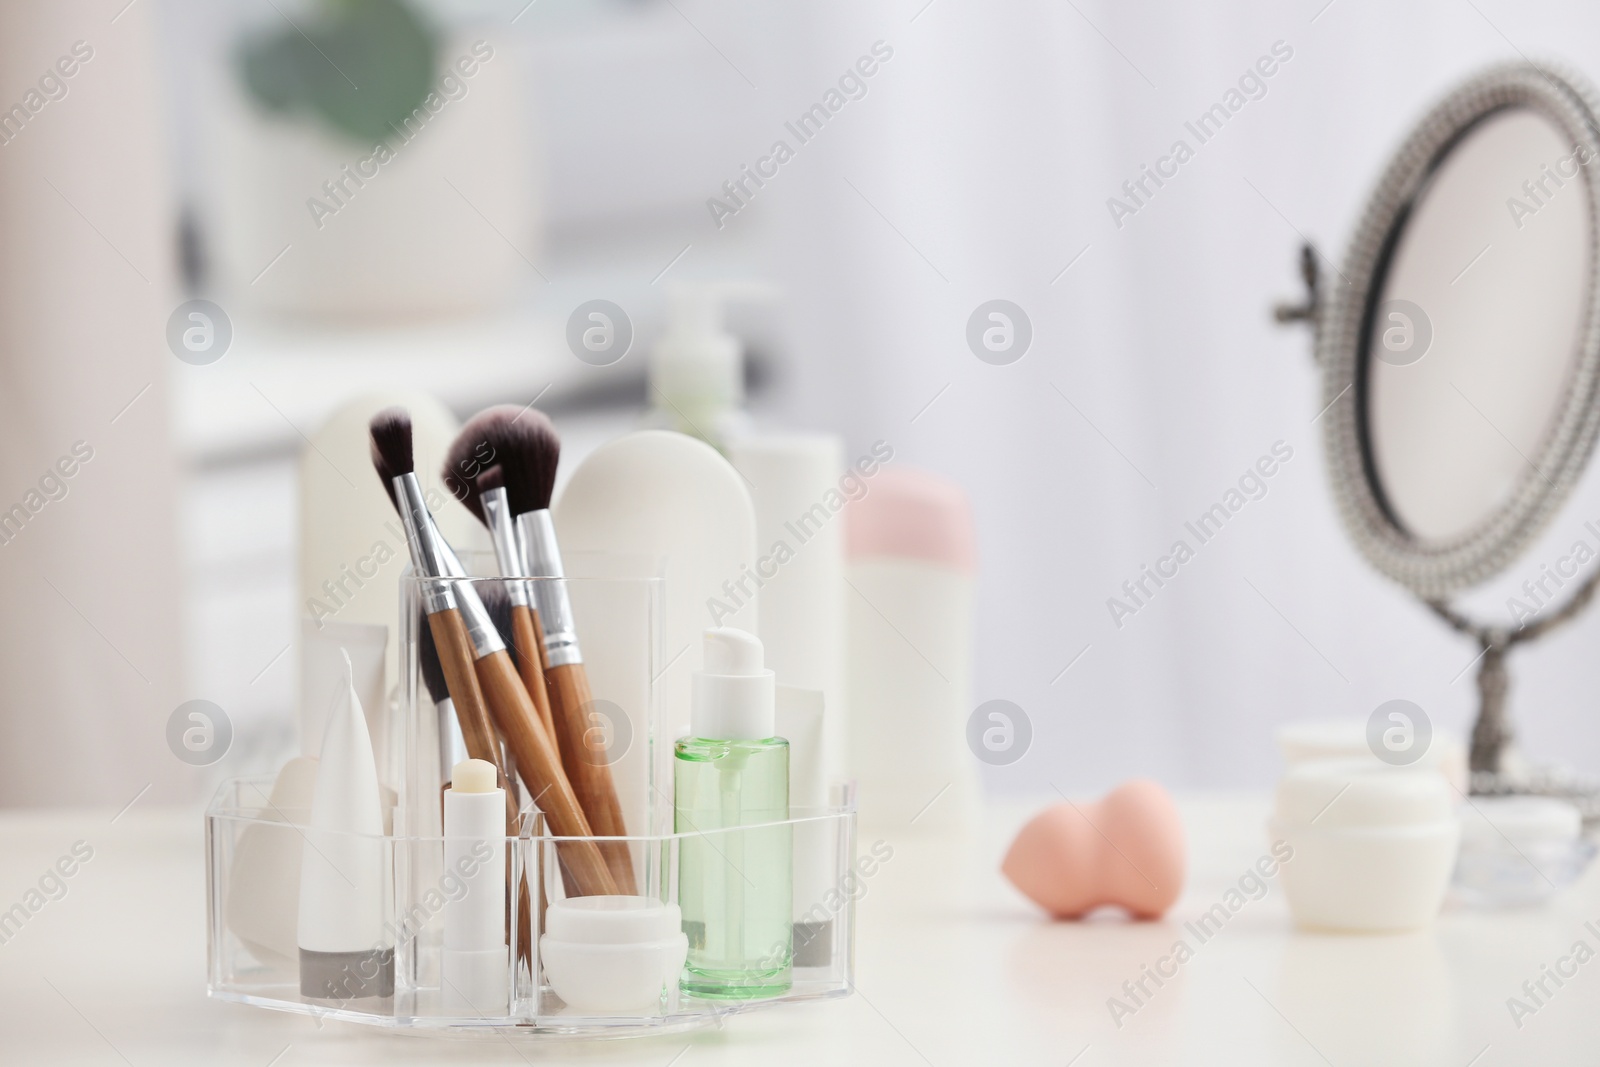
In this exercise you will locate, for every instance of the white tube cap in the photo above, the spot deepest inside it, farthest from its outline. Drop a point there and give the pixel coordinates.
(734, 697)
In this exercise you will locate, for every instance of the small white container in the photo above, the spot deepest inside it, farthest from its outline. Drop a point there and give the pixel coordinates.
(613, 954)
(1519, 850)
(1373, 845)
(1314, 739)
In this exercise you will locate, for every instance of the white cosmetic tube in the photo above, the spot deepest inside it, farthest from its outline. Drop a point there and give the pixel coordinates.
(801, 718)
(346, 947)
(322, 652)
(475, 961)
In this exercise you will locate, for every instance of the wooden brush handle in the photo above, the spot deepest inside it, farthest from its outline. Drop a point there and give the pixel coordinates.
(539, 763)
(588, 766)
(472, 711)
(538, 631)
(528, 639)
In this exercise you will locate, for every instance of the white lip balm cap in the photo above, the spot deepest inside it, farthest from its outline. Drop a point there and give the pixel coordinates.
(473, 776)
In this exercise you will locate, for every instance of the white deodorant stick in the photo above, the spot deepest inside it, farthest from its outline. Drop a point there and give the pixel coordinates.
(911, 550)
(475, 960)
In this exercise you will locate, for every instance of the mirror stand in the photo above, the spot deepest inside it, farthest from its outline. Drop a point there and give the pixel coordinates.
(1492, 731)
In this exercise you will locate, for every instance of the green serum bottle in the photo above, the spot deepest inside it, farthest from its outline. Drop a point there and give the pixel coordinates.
(736, 862)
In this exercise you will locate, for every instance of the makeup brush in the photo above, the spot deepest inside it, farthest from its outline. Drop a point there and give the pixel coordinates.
(447, 629)
(527, 450)
(508, 617)
(452, 745)
(450, 752)
(482, 491)
(497, 602)
(478, 673)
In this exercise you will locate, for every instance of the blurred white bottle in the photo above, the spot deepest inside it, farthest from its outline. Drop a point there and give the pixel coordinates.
(911, 558)
(795, 484)
(697, 365)
(352, 548)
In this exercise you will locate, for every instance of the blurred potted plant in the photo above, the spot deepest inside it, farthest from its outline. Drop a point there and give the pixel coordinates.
(362, 69)
(375, 165)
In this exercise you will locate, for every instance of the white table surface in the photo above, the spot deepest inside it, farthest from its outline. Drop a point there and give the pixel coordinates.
(953, 967)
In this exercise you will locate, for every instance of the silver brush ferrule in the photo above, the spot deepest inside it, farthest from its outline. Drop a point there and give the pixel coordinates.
(542, 555)
(481, 630)
(427, 546)
(507, 545)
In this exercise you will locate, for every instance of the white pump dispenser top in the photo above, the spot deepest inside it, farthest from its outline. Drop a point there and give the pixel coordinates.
(697, 364)
(734, 698)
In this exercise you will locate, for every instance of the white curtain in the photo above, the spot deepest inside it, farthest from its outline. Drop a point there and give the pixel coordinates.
(978, 166)
(89, 583)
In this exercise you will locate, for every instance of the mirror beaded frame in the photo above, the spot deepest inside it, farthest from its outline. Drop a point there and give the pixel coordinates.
(1344, 329)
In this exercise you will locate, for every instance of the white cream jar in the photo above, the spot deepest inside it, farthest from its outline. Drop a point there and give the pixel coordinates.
(613, 954)
(1373, 844)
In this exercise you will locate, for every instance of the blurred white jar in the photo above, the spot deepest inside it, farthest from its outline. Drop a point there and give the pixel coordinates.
(1317, 739)
(444, 223)
(1373, 844)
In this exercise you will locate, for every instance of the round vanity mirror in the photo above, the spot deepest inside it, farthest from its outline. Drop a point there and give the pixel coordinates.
(1476, 330)
(1460, 346)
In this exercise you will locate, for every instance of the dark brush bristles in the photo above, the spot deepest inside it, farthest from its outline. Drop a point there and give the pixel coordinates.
(521, 441)
(428, 660)
(391, 447)
(498, 601)
(491, 479)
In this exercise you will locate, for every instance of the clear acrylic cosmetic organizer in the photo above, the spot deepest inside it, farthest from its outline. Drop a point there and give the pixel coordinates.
(255, 846)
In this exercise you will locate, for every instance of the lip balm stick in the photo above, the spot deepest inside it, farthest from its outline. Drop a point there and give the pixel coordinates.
(346, 951)
(475, 966)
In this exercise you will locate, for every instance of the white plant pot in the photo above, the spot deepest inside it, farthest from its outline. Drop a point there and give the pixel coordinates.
(447, 226)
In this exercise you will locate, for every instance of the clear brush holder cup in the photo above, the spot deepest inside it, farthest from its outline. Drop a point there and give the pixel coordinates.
(570, 964)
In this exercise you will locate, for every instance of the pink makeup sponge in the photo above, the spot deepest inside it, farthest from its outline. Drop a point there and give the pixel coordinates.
(1126, 849)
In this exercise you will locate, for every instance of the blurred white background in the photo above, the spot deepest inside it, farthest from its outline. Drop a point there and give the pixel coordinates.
(977, 165)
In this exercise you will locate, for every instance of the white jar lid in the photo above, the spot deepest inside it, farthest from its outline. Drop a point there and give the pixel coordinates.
(1361, 794)
(612, 920)
(1493, 820)
(1322, 739)
(1311, 739)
